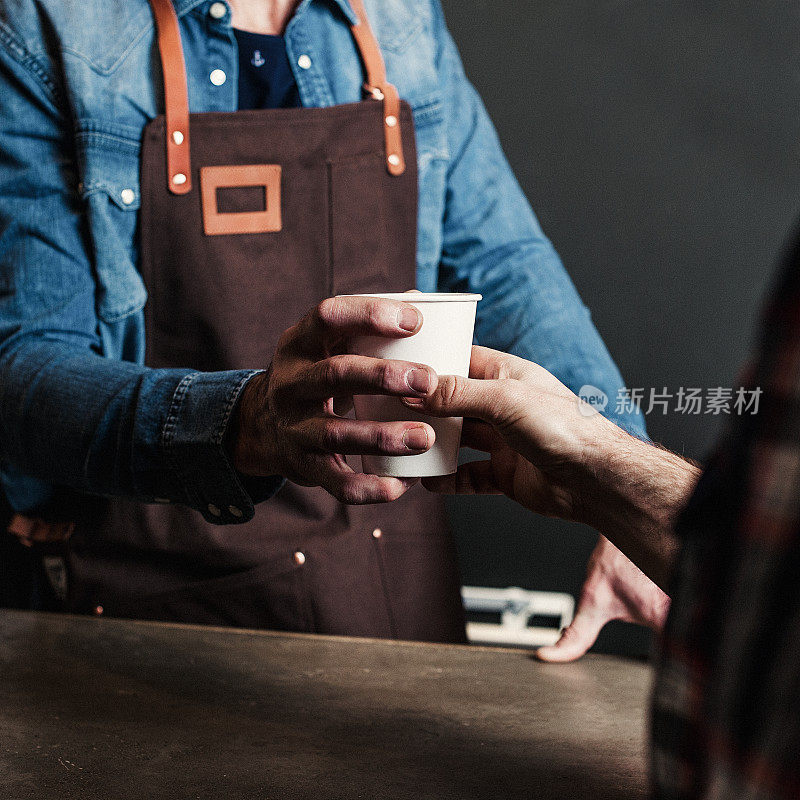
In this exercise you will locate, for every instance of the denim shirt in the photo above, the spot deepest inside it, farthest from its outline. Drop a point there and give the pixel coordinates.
(79, 80)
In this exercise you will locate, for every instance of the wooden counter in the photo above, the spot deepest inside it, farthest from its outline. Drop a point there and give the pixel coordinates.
(107, 709)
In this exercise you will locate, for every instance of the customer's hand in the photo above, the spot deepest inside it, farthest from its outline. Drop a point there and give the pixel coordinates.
(528, 422)
(557, 457)
(290, 421)
(614, 589)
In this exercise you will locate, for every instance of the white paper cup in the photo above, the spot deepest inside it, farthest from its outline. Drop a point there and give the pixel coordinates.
(444, 342)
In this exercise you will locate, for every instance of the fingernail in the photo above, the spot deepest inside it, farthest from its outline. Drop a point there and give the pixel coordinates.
(416, 438)
(414, 402)
(408, 318)
(418, 380)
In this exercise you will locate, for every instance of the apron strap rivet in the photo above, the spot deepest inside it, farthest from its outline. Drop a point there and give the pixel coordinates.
(391, 120)
(393, 159)
(179, 179)
(177, 137)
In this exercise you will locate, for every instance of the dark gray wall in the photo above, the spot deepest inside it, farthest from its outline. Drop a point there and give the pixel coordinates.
(659, 143)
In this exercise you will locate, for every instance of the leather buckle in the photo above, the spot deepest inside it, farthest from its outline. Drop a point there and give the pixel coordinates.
(216, 223)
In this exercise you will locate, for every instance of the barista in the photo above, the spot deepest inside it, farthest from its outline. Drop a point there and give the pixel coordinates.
(174, 200)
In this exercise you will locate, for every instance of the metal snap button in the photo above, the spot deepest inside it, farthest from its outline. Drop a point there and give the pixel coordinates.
(377, 533)
(304, 61)
(300, 558)
(218, 10)
(217, 77)
(128, 196)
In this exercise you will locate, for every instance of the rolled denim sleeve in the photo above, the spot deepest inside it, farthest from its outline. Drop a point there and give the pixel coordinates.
(69, 416)
(493, 244)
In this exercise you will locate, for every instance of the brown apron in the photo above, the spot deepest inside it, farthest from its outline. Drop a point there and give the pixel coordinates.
(250, 220)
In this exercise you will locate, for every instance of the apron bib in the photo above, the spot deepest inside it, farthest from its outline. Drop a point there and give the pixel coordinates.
(248, 220)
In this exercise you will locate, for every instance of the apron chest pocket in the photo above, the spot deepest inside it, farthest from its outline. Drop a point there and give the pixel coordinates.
(373, 224)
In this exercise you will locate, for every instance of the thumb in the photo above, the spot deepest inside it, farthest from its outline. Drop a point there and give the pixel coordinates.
(575, 639)
(456, 396)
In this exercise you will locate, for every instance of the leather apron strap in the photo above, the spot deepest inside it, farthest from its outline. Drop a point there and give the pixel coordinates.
(380, 88)
(176, 94)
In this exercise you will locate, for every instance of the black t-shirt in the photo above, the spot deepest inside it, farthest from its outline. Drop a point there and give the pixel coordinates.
(265, 75)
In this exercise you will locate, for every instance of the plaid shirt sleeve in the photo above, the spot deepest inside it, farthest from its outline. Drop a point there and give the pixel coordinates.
(726, 706)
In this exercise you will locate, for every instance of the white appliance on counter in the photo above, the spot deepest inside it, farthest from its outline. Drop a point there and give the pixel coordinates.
(505, 616)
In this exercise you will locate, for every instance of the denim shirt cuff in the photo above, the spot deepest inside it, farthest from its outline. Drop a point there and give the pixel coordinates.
(193, 438)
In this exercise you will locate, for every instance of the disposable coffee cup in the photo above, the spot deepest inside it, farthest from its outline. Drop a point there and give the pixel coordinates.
(444, 343)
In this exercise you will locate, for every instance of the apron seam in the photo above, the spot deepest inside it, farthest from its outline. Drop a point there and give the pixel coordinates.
(330, 249)
(378, 545)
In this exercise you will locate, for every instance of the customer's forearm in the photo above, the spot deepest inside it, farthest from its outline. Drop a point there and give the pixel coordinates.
(632, 492)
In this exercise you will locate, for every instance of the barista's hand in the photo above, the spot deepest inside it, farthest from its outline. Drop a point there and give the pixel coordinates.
(286, 423)
(614, 589)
